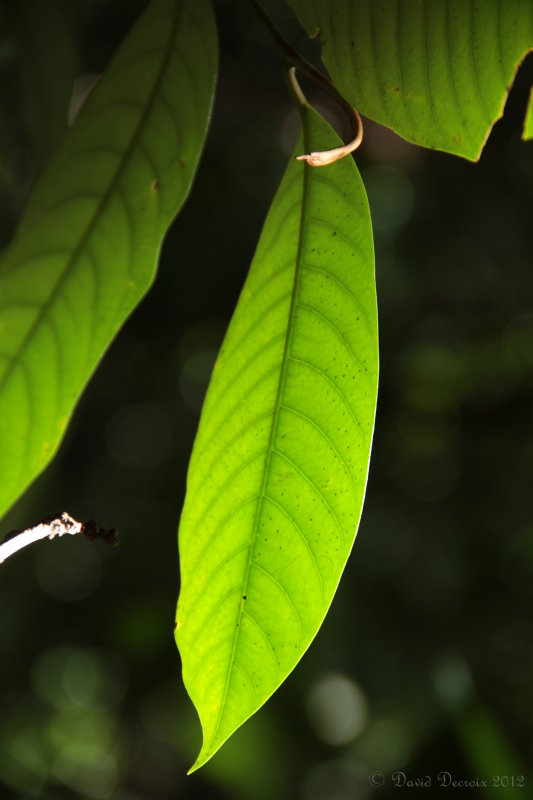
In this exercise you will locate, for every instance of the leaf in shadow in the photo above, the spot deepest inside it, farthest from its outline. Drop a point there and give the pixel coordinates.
(87, 247)
(437, 72)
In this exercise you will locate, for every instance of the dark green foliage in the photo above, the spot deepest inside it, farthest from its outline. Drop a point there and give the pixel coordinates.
(426, 643)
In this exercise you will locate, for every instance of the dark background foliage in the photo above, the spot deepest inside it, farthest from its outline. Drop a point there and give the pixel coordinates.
(425, 661)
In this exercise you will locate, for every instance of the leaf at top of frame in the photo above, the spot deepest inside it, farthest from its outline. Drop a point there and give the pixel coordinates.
(87, 247)
(279, 467)
(435, 71)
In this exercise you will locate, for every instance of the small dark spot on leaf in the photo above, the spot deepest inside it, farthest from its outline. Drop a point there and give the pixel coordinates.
(155, 186)
(182, 163)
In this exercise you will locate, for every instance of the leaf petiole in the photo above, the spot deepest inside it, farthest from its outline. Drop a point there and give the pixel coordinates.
(323, 157)
(296, 60)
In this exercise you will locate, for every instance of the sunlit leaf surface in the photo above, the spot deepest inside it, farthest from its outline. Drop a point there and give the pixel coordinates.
(87, 247)
(436, 71)
(279, 467)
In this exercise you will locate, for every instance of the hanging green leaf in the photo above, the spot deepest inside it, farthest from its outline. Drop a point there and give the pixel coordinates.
(87, 247)
(279, 467)
(436, 71)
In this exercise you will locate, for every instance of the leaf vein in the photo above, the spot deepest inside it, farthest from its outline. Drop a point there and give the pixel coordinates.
(285, 593)
(338, 333)
(302, 535)
(264, 636)
(313, 486)
(331, 276)
(322, 433)
(93, 222)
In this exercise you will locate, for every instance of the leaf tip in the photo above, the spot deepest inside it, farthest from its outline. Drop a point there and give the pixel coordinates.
(203, 757)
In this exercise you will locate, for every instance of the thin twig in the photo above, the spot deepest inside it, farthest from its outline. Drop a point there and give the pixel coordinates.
(50, 527)
(296, 60)
(323, 157)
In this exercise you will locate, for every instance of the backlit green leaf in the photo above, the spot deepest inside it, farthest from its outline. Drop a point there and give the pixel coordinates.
(279, 467)
(436, 71)
(87, 247)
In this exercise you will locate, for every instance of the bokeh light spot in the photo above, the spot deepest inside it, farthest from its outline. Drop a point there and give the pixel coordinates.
(22, 762)
(138, 435)
(452, 681)
(69, 570)
(194, 377)
(337, 780)
(337, 709)
(63, 677)
(88, 769)
(95, 678)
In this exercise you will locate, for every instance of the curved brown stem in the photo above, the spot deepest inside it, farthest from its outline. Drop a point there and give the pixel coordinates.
(296, 60)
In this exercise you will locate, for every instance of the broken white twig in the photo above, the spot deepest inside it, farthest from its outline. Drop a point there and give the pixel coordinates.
(50, 527)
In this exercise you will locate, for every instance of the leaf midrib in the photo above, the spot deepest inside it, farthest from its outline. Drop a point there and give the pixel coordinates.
(274, 424)
(91, 225)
